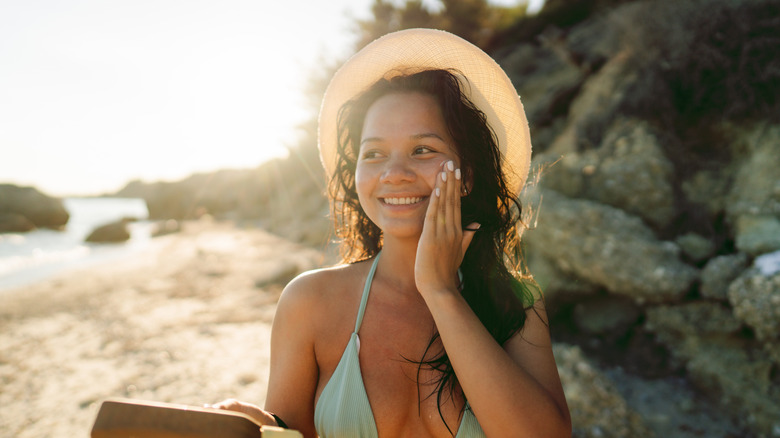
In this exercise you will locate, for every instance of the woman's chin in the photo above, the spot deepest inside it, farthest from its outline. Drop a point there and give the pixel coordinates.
(402, 232)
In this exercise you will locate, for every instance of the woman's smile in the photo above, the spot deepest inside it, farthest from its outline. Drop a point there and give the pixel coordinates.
(402, 201)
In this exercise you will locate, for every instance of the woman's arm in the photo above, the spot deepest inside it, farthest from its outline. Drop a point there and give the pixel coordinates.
(513, 390)
(293, 376)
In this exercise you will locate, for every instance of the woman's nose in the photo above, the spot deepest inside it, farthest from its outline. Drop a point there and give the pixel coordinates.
(397, 170)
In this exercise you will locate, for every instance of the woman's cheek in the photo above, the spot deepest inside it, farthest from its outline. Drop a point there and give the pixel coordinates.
(433, 170)
(362, 184)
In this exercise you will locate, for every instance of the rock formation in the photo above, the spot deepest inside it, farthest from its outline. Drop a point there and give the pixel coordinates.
(26, 208)
(110, 233)
(658, 183)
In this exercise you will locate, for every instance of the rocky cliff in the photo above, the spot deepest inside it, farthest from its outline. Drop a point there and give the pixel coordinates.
(657, 197)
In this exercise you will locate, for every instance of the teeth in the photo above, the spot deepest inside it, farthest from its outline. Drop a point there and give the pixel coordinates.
(403, 201)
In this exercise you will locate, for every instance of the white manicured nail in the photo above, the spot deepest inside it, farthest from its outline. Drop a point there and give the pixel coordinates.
(444, 176)
(457, 174)
(451, 166)
(438, 192)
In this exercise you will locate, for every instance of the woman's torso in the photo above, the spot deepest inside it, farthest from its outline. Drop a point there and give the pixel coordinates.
(395, 326)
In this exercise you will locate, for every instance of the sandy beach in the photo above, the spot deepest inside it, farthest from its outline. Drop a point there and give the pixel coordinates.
(185, 321)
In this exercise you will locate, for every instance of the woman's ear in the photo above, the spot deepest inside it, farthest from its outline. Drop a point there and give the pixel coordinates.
(467, 184)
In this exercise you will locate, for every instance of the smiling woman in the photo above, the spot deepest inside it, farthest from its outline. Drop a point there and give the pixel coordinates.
(427, 329)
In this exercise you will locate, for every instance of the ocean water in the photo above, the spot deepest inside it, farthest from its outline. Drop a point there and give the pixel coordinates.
(37, 255)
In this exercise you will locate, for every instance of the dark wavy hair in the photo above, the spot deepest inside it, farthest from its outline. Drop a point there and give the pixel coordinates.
(492, 282)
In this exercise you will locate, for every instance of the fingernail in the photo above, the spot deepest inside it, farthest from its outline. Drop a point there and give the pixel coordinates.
(457, 174)
(444, 176)
(438, 192)
(451, 166)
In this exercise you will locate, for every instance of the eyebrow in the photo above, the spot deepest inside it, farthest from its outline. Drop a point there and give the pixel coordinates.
(414, 137)
(428, 135)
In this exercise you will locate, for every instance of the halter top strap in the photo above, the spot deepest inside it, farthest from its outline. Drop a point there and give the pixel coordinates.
(364, 298)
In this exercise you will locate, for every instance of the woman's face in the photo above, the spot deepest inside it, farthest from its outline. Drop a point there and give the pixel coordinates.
(404, 145)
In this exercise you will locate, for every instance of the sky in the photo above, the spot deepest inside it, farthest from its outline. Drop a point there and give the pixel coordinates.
(96, 93)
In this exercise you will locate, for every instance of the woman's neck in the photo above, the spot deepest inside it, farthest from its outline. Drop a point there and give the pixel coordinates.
(397, 263)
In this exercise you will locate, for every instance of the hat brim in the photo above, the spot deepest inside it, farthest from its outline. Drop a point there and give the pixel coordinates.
(414, 50)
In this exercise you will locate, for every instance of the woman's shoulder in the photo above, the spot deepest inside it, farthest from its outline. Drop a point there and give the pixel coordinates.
(320, 287)
(321, 301)
(323, 280)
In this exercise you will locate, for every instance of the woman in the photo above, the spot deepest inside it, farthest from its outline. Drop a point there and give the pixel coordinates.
(425, 331)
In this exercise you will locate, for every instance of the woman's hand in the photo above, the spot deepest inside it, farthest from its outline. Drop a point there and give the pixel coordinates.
(443, 242)
(260, 416)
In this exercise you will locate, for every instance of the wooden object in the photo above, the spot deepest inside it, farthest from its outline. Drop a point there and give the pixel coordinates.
(125, 418)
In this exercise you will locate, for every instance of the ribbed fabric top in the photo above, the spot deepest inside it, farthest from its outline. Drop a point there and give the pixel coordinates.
(343, 410)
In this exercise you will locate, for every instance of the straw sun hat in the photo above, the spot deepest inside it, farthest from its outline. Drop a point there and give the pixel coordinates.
(414, 50)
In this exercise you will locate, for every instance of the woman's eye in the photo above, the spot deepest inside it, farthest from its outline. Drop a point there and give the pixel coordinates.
(423, 150)
(367, 155)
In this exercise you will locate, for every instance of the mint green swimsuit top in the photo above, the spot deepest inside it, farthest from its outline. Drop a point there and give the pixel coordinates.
(343, 410)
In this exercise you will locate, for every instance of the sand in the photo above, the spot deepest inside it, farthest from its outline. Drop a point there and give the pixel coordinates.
(185, 321)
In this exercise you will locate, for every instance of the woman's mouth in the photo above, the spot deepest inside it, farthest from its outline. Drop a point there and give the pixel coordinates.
(408, 200)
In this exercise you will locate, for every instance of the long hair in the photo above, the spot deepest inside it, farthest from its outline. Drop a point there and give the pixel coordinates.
(491, 279)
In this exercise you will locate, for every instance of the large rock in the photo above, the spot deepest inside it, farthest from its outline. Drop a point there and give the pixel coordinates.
(696, 247)
(724, 365)
(757, 234)
(628, 170)
(700, 318)
(719, 272)
(15, 223)
(608, 247)
(740, 379)
(755, 296)
(753, 205)
(597, 105)
(566, 174)
(707, 190)
(39, 209)
(609, 316)
(756, 301)
(597, 408)
(633, 173)
(556, 284)
(110, 233)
